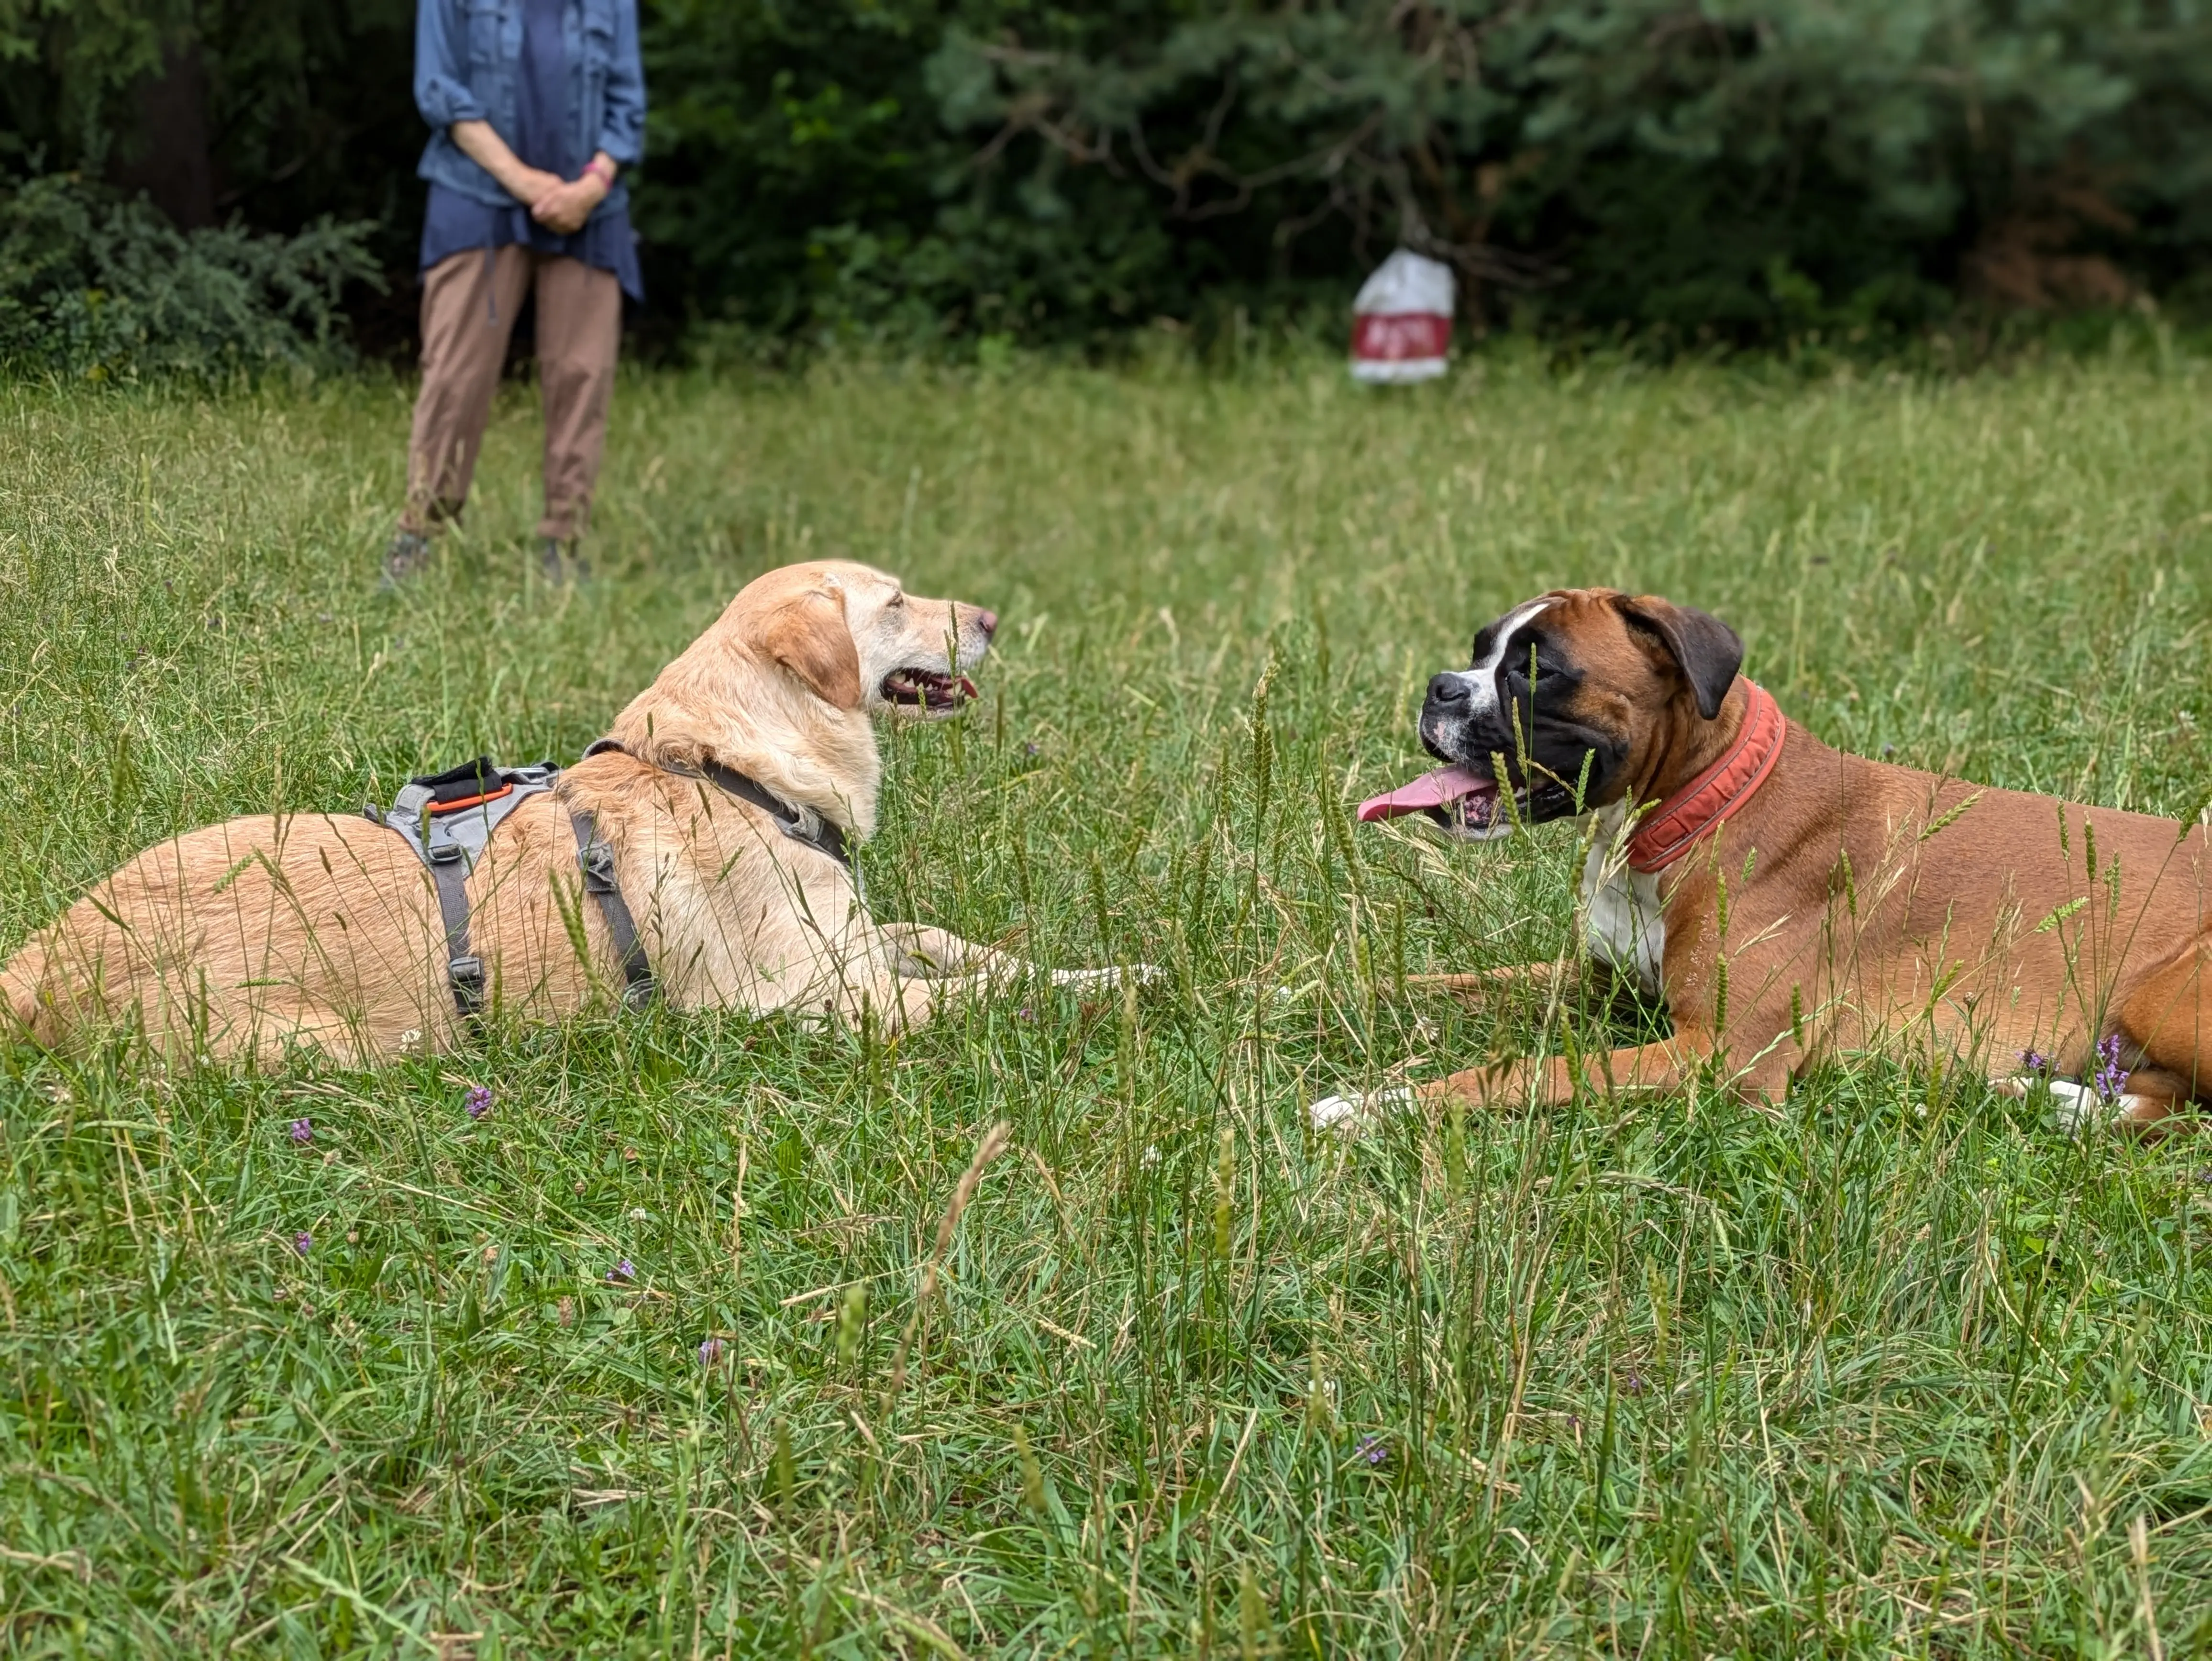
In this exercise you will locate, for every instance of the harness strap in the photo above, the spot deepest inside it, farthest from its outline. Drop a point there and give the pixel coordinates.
(801, 825)
(792, 820)
(596, 860)
(464, 971)
(448, 819)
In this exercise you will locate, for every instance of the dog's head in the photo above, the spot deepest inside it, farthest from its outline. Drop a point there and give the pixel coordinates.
(782, 685)
(1576, 696)
(851, 636)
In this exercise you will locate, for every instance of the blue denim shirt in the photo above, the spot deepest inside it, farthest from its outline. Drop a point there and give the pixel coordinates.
(467, 68)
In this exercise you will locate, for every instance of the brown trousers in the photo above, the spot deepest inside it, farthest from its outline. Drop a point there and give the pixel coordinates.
(469, 303)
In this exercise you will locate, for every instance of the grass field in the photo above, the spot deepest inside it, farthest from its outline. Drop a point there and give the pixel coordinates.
(1890, 1369)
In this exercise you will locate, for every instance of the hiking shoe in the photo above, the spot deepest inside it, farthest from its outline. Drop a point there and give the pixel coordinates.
(563, 563)
(409, 553)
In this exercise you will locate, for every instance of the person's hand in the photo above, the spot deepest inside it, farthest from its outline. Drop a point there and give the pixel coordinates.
(531, 186)
(566, 207)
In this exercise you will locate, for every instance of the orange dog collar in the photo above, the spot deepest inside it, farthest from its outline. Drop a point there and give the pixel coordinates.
(1707, 801)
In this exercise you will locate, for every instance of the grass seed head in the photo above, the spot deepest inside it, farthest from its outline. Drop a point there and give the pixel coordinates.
(1032, 1475)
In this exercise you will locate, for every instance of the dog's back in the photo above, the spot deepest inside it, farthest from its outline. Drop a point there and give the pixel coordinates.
(322, 932)
(307, 928)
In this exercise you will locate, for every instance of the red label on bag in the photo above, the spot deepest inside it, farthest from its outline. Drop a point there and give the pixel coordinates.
(1395, 336)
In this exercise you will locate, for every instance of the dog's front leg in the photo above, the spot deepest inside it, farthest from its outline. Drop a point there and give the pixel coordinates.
(1551, 974)
(934, 952)
(1547, 1082)
(1551, 1081)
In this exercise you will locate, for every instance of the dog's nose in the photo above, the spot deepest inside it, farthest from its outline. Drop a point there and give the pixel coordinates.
(987, 621)
(1447, 689)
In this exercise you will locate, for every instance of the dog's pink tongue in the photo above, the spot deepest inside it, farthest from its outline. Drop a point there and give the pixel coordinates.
(1430, 790)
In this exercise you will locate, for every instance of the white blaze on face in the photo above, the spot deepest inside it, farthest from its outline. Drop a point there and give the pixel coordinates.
(1482, 680)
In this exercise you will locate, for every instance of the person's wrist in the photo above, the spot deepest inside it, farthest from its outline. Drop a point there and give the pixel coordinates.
(600, 168)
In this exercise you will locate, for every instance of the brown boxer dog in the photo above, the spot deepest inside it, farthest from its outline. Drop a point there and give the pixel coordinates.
(1791, 903)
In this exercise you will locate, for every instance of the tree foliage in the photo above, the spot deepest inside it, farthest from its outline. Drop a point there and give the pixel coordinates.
(1742, 165)
(1735, 168)
(305, 105)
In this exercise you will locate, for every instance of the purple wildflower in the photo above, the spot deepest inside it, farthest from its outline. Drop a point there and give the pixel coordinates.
(710, 1352)
(303, 1243)
(1027, 1013)
(1372, 1450)
(2111, 1078)
(303, 1131)
(623, 1271)
(1633, 1383)
(2035, 1063)
(477, 1101)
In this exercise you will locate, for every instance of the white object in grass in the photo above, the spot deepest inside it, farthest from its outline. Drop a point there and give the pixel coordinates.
(1350, 1115)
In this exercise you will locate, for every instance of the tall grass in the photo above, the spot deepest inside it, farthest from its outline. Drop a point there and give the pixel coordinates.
(715, 1337)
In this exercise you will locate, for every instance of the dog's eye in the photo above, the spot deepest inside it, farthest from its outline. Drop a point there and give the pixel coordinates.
(895, 601)
(1517, 670)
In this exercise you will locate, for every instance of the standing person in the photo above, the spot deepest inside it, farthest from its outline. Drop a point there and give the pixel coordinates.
(537, 106)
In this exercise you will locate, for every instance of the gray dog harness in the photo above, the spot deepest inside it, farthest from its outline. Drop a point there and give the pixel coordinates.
(448, 819)
(801, 825)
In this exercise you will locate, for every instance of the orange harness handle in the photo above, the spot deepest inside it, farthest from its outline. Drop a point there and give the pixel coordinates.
(438, 807)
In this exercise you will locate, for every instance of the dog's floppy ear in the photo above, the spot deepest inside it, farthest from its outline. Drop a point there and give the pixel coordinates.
(1706, 650)
(808, 636)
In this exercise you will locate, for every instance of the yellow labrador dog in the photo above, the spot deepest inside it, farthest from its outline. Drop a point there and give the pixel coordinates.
(323, 932)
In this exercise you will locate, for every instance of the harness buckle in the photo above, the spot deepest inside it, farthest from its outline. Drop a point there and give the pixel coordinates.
(596, 860)
(467, 972)
(444, 853)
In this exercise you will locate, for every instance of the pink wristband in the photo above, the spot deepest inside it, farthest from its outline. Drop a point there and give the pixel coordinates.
(602, 169)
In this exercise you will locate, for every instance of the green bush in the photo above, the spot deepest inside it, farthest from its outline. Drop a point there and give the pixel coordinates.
(94, 285)
(1738, 169)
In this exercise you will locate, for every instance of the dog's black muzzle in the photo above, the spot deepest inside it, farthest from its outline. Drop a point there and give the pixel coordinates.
(1559, 770)
(1452, 730)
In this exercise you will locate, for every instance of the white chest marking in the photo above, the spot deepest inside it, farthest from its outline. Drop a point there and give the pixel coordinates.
(1621, 916)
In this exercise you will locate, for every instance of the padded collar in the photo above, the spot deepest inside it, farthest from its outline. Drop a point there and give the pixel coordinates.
(1707, 801)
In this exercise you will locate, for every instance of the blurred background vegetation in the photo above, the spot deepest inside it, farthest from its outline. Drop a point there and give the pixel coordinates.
(1692, 175)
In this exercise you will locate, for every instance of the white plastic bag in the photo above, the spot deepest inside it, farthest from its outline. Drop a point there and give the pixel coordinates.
(1401, 320)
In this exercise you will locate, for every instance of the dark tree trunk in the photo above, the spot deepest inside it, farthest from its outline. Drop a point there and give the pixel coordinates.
(166, 155)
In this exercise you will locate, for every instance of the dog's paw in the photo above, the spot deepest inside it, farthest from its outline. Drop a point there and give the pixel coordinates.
(2075, 1107)
(1087, 980)
(1107, 980)
(1348, 1115)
